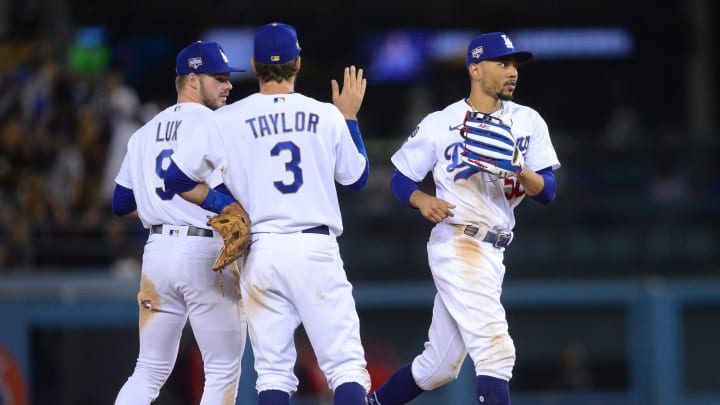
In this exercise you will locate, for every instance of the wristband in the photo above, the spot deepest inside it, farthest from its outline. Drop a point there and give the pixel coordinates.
(216, 201)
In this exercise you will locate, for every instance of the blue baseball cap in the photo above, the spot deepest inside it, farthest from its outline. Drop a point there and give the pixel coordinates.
(494, 45)
(203, 57)
(276, 43)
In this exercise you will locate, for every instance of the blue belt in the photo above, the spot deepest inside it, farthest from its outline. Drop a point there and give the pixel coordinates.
(192, 231)
(498, 239)
(321, 229)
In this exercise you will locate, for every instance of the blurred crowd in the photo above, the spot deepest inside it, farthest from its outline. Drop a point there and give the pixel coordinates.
(62, 139)
(63, 134)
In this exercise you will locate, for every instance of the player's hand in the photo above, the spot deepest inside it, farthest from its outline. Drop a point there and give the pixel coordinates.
(432, 208)
(349, 99)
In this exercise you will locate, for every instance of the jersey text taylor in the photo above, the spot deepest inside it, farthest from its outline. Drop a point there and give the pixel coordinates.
(279, 123)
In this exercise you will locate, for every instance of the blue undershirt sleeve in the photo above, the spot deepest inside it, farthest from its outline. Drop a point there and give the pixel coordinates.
(223, 189)
(354, 128)
(402, 186)
(177, 181)
(547, 195)
(123, 201)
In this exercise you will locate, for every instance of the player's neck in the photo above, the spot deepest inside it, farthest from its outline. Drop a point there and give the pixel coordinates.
(274, 87)
(485, 105)
(187, 97)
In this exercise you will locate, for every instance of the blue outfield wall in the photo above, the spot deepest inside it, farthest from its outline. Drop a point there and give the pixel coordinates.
(653, 327)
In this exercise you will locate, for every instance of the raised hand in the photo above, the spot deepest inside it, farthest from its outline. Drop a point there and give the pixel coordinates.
(349, 99)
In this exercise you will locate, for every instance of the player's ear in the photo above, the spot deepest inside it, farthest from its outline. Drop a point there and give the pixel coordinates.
(252, 63)
(297, 64)
(474, 71)
(193, 80)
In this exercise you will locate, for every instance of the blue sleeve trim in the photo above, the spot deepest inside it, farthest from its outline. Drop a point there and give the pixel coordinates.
(216, 201)
(177, 181)
(123, 201)
(223, 189)
(354, 128)
(402, 187)
(547, 195)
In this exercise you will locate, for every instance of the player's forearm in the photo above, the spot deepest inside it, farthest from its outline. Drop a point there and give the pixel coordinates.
(432, 208)
(196, 195)
(416, 198)
(532, 182)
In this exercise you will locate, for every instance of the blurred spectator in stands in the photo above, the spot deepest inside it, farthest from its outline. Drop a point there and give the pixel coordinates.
(15, 243)
(63, 184)
(36, 88)
(669, 184)
(55, 127)
(623, 128)
(4, 223)
(12, 153)
(125, 115)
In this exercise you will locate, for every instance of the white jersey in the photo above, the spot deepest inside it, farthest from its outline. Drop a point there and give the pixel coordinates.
(177, 282)
(147, 159)
(480, 198)
(262, 147)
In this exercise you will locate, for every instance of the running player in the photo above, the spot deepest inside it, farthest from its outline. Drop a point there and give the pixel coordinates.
(177, 280)
(474, 216)
(281, 154)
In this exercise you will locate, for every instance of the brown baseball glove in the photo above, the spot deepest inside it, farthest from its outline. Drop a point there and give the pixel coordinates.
(233, 224)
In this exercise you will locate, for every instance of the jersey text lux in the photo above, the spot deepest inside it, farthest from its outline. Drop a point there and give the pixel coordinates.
(171, 129)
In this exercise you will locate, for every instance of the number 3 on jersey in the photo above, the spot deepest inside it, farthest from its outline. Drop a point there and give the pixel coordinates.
(292, 166)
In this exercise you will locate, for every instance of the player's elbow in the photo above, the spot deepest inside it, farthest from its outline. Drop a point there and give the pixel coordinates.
(549, 190)
(177, 181)
(123, 202)
(361, 183)
(357, 186)
(545, 197)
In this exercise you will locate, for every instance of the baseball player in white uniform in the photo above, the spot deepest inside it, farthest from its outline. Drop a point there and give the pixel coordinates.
(473, 212)
(178, 282)
(281, 153)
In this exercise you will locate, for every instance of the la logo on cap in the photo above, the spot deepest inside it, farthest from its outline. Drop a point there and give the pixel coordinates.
(508, 42)
(225, 58)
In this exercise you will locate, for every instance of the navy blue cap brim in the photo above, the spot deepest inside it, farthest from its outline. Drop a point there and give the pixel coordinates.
(519, 56)
(523, 56)
(231, 69)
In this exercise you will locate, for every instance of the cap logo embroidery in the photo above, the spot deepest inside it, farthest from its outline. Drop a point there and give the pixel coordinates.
(274, 58)
(508, 43)
(195, 62)
(477, 52)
